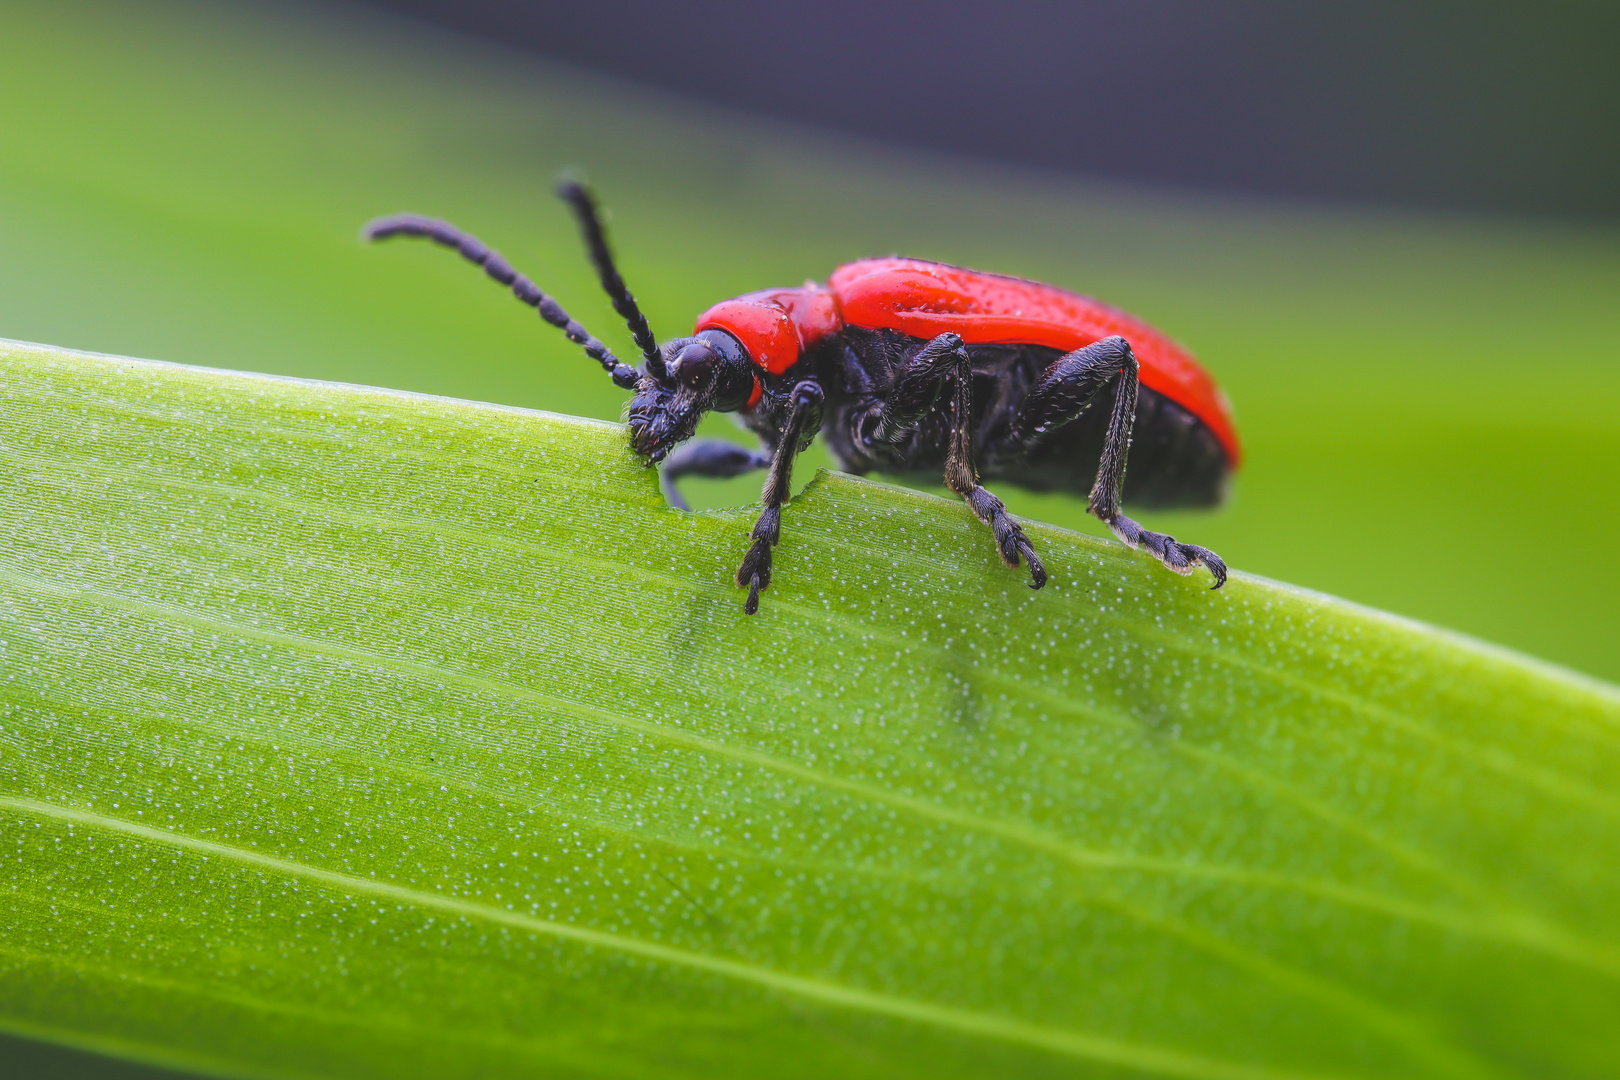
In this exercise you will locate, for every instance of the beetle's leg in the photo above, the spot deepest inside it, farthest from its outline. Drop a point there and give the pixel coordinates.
(481, 254)
(712, 457)
(804, 420)
(1063, 393)
(945, 359)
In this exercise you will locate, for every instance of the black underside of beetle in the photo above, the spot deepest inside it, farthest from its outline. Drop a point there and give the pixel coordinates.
(1175, 460)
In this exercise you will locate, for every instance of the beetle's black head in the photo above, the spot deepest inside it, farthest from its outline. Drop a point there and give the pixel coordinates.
(691, 376)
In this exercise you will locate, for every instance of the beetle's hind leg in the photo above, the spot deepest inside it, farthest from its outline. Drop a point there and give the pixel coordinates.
(1063, 392)
(945, 359)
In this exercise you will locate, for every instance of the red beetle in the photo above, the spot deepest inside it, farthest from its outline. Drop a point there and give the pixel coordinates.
(867, 358)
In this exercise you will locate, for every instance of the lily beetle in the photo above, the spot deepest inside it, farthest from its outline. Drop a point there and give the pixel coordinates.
(914, 369)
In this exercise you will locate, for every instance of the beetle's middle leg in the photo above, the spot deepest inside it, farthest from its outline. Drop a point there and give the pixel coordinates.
(942, 361)
(1064, 391)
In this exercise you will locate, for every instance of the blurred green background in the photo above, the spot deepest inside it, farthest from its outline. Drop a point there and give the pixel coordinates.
(1430, 404)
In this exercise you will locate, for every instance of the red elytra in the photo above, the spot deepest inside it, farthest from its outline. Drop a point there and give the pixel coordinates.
(925, 299)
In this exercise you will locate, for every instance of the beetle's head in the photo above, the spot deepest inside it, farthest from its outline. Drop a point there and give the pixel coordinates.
(691, 376)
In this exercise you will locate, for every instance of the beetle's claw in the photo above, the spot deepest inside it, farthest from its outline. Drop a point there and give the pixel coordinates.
(1037, 572)
(1215, 564)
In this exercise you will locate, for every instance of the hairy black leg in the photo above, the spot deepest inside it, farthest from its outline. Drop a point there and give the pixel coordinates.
(913, 394)
(944, 360)
(804, 419)
(1167, 549)
(477, 252)
(579, 197)
(1064, 392)
(708, 458)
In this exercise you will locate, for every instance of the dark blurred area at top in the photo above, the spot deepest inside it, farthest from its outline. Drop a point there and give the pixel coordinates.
(1480, 106)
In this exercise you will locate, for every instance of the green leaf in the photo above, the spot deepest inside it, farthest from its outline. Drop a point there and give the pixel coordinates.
(348, 733)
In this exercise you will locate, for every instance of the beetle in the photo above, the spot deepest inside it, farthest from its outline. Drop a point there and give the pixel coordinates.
(915, 369)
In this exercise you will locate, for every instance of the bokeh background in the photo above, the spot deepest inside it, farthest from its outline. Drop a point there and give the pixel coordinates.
(1389, 230)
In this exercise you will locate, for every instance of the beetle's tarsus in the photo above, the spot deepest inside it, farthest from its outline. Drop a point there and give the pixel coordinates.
(1011, 543)
(1037, 572)
(1181, 558)
(803, 421)
(755, 573)
(756, 565)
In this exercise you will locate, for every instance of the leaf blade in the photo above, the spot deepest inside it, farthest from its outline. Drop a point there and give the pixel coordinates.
(912, 818)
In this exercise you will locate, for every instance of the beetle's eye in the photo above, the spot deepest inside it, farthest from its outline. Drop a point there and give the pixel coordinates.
(693, 363)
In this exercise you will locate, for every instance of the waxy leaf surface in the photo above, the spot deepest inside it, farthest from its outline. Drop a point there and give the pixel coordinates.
(346, 733)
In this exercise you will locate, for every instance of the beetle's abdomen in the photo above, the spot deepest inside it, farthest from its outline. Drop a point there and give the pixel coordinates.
(1174, 459)
(924, 299)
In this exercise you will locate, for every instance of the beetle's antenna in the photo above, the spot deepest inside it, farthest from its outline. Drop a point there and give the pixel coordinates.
(479, 253)
(580, 198)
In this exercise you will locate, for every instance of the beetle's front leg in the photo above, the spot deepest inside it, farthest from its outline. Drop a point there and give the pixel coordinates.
(804, 420)
(711, 457)
(945, 360)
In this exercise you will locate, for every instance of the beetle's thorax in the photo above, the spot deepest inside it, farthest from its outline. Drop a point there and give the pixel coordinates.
(777, 326)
